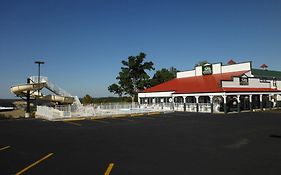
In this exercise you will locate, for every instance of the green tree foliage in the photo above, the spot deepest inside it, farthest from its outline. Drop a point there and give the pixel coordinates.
(163, 75)
(133, 77)
(87, 99)
(111, 99)
(202, 63)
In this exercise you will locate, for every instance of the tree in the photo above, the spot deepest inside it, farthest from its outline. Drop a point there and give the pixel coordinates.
(133, 77)
(202, 63)
(163, 75)
(87, 99)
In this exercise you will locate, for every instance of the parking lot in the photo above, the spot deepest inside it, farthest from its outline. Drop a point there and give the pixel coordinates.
(173, 143)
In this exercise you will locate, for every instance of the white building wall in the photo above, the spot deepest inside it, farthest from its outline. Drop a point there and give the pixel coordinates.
(236, 67)
(253, 83)
(278, 83)
(198, 71)
(155, 94)
(185, 74)
(216, 68)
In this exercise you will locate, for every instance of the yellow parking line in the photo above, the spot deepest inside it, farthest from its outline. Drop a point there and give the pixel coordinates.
(153, 113)
(136, 115)
(73, 123)
(6, 147)
(35, 163)
(109, 168)
(120, 115)
(74, 119)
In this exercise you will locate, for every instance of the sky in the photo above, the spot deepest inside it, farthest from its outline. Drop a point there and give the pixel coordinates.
(83, 42)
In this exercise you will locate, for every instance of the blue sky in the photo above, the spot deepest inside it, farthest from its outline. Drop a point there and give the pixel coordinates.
(84, 42)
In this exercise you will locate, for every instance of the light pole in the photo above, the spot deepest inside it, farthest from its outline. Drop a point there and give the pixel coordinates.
(39, 63)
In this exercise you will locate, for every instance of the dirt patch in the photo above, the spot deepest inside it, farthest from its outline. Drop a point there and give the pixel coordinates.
(12, 114)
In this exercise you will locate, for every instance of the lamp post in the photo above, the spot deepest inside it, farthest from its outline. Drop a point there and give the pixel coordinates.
(39, 63)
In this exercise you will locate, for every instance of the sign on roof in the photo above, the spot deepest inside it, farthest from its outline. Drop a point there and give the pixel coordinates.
(244, 80)
(207, 69)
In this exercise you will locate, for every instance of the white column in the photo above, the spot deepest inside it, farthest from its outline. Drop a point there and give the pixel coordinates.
(184, 103)
(197, 105)
(224, 104)
(211, 101)
(238, 103)
(250, 102)
(153, 100)
(261, 105)
(184, 99)
(173, 102)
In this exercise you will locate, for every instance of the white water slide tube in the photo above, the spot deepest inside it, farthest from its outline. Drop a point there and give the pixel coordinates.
(21, 90)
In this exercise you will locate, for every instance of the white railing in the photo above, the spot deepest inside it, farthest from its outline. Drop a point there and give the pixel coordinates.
(179, 106)
(190, 107)
(50, 113)
(34, 79)
(204, 107)
(57, 90)
(101, 110)
(113, 109)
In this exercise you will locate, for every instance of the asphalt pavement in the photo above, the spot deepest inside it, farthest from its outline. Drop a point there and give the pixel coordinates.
(174, 143)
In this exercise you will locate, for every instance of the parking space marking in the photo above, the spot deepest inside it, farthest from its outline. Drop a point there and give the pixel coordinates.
(154, 113)
(74, 119)
(109, 168)
(136, 115)
(73, 123)
(6, 147)
(35, 163)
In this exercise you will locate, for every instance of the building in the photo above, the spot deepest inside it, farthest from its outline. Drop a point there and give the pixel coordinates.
(217, 88)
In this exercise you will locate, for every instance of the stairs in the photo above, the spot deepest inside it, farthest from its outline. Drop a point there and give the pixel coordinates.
(56, 90)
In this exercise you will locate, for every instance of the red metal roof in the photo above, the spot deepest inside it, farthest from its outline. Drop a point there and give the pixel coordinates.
(263, 66)
(203, 84)
(231, 62)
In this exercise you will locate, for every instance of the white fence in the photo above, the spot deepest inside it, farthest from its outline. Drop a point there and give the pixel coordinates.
(111, 109)
(204, 107)
(108, 109)
(192, 107)
(50, 113)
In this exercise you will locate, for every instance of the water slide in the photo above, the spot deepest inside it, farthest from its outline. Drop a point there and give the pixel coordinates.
(60, 95)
